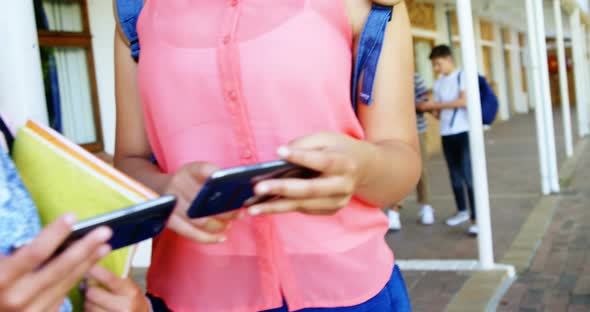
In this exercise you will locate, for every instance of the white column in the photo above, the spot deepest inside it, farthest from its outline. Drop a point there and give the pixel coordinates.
(546, 97)
(528, 71)
(579, 74)
(476, 139)
(535, 73)
(500, 74)
(22, 94)
(563, 84)
(586, 31)
(515, 68)
(585, 49)
(442, 27)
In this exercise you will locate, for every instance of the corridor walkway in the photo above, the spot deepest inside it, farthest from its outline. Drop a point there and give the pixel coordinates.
(514, 191)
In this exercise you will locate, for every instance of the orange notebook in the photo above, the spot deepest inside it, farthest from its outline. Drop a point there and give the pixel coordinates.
(62, 177)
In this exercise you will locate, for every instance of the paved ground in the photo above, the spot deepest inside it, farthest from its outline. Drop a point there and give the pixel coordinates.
(559, 278)
(433, 291)
(514, 191)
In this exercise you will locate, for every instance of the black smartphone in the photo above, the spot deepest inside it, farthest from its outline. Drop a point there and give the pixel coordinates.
(233, 188)
(130, 225)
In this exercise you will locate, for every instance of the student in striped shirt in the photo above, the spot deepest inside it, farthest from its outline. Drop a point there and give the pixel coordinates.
(426, 214)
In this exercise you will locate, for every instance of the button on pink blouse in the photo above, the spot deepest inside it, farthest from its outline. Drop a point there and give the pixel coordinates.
(228, 82)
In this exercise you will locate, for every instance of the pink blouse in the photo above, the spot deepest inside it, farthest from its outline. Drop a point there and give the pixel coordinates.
(228, 82)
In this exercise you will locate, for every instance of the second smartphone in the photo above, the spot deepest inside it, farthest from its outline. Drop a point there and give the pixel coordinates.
(233, 188)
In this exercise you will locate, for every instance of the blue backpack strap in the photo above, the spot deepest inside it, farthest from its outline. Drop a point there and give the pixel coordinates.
(455, 110)
(369, 50)
(128, 12)
(7, 134)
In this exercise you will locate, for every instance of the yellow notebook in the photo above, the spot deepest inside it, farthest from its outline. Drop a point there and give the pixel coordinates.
(62, 177)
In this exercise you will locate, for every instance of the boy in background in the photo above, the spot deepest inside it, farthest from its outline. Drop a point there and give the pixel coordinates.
(449, 98)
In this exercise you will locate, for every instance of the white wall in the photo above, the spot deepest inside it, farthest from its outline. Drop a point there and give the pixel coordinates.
(102, 27)
(583, 5)
(22, 94)
(21, 85)
(441, 24)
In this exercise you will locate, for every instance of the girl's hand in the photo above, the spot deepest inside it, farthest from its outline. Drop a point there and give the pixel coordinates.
(185, 185)
(436, 114)
(109, 293)
(427, 106)
(30, 280)
(333, 155)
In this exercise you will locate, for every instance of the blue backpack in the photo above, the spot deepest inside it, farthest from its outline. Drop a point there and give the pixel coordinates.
(489, 101)
(369, 48)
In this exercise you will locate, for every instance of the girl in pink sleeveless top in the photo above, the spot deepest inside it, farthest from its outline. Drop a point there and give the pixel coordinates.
(237, 82)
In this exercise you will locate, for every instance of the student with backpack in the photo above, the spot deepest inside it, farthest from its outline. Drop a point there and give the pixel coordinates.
(449, 98)
(240, 82)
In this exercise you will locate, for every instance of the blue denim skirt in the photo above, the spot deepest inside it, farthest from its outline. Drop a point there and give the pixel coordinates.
(394, 297)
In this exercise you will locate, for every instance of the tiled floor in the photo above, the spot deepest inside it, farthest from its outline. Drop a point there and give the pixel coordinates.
(559, 278)
(514, 190)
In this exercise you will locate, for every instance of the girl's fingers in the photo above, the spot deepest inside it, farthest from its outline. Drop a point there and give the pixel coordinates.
(321, 206)
(210, 225)
(229, 216)
(105, 300)
(31, 256)
(73, 263)
(119, 295)
(76, 273)
(317, 141)
(326, 162)
(185, 194)
(81, 256)
(109, 280)
(306, 188)
(57, 305)
(90, 306)
(185, 228)
(200, 171)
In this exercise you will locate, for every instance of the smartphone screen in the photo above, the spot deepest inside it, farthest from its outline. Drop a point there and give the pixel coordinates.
(233, 188)
(130, 225)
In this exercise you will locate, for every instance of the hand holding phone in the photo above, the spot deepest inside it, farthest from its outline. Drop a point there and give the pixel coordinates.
(231, 189)
(185, 184)
(340, 161)
(32, 281)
